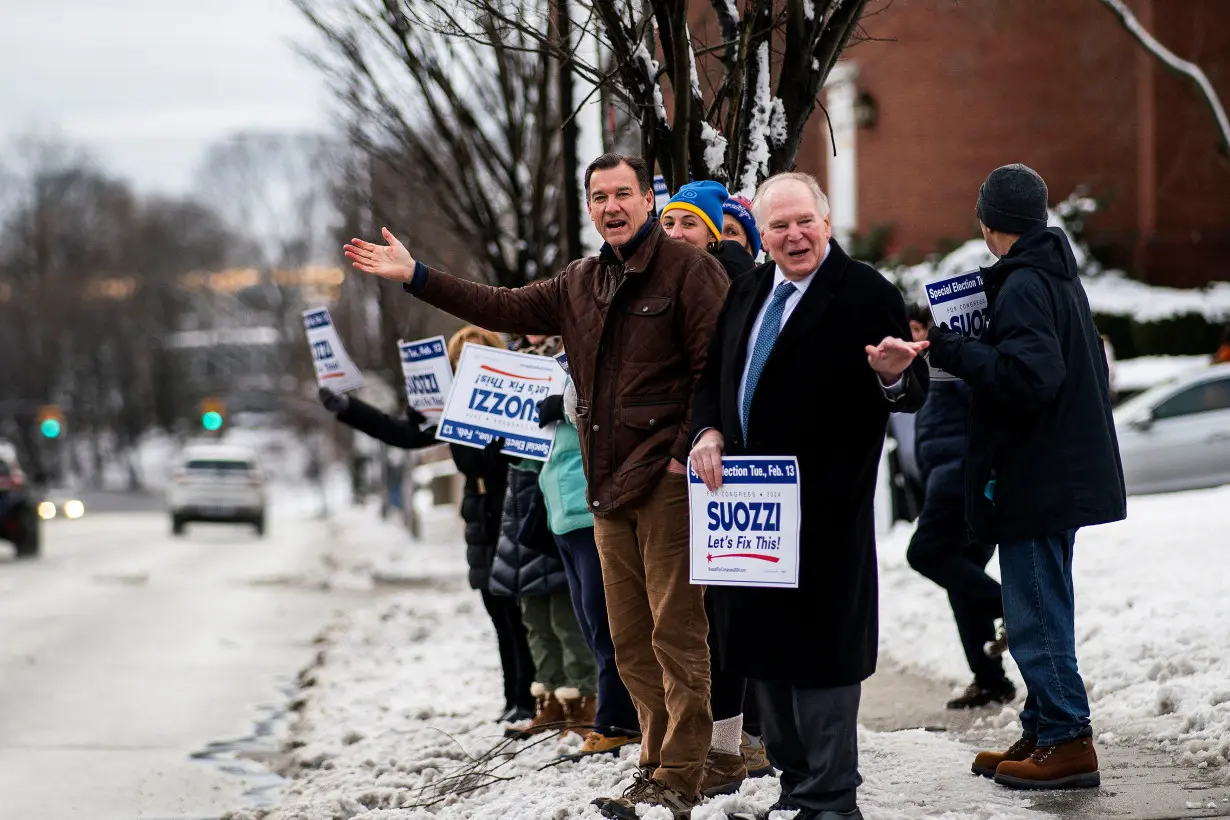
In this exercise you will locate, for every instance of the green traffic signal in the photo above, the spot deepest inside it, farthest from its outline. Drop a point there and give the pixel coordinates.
(50, 428)
(211, 421)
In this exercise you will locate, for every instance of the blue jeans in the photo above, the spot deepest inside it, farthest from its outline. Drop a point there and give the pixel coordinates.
(579, 554)
(1039, 612)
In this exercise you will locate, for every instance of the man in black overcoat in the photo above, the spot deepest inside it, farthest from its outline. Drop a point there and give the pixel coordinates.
(788, 374)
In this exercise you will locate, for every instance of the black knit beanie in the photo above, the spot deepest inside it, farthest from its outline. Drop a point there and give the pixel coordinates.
(1012, 200)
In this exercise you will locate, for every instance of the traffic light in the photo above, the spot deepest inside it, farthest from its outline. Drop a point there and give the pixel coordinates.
(213, 414)
(50, 420)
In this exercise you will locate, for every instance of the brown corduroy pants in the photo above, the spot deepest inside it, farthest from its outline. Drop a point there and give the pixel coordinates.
(659, 629)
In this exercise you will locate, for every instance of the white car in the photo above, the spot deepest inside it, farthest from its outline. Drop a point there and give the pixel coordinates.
(217, 483)
(1176, 436)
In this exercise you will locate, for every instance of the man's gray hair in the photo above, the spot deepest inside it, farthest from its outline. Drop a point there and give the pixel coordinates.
(822, 202)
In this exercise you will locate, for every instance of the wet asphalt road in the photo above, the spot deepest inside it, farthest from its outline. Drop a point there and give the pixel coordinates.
(126, 650)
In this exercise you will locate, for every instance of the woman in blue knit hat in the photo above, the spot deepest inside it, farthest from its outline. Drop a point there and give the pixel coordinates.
(739, 224)
(696, 215)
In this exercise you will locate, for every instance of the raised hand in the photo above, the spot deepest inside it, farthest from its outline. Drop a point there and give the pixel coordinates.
(391, 261)
(892, 356)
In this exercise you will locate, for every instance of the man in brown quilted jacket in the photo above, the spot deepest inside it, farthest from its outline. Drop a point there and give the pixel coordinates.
(636, 321)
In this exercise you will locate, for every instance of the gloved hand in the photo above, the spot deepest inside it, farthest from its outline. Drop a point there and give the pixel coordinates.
(334, 402)
(492, 454)
(550, 409)
(943, 343)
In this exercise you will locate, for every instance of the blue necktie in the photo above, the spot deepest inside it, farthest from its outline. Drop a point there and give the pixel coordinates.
(769, 328)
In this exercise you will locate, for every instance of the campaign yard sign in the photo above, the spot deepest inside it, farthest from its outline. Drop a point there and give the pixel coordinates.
(747, 533)
(496, 394)
(334, 368)
(958, 303)
(428, 374)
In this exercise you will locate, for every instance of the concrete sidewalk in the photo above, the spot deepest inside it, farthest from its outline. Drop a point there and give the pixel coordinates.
(1137, 784)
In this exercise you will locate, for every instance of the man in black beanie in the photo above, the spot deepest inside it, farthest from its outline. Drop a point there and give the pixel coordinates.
(1042, 461)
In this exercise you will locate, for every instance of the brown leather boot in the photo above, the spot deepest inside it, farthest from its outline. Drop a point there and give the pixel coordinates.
(724, 773)
(579, 710)
(755, 757)
(548, 716)
(986, 763)
(1071, 765)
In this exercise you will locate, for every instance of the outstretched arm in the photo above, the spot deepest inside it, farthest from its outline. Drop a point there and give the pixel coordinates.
(533, 309)
(400, 433)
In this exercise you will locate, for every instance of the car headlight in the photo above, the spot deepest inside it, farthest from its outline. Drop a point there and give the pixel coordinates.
(46, 510)
(73, 509)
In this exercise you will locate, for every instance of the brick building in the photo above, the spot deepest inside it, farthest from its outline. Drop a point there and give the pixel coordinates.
(948, 91)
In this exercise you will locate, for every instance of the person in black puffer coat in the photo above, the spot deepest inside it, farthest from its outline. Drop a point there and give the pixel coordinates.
(485, 472)
(528, 569)
(942, 548)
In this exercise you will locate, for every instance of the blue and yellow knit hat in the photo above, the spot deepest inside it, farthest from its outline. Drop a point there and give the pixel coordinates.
(704, 199)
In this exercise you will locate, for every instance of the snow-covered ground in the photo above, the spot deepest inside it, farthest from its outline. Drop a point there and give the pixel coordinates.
(402, 701)
(1152, 628)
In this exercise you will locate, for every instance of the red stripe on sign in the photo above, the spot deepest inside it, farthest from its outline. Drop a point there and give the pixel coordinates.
(772, 559)
(334, 376)
(514, 375)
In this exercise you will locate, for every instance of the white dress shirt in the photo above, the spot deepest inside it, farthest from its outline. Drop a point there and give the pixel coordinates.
(800, 287)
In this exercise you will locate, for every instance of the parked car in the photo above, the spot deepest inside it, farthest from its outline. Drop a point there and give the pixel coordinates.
(19, 522)
(217, 483)
(1176, 436)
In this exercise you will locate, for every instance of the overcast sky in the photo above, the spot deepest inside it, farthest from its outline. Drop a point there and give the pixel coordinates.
(146, 85)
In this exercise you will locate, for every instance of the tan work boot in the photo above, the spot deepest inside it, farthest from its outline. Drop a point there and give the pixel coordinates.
(579, 710)
(986, 763)
(755, 757)
(1071, 765)
(597, 743)
(724, 773)
(548, 716)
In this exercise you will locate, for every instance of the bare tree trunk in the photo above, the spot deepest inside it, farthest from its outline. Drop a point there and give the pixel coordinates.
(570, 243)
(681, 78)
(1178, 65)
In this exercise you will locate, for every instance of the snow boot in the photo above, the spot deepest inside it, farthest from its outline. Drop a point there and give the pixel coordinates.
(986, 763)
(548, 717)
(579, 710)
(1071, 765)
(977, 695)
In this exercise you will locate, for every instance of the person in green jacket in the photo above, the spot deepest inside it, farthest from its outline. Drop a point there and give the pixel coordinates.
(528, 567)
(562, 482)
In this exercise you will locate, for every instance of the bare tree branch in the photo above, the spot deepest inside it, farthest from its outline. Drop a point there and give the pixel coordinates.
(1178, 65)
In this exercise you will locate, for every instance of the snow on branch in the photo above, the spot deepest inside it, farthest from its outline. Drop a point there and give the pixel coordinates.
(756, 163)
(1175, 63)
(715, 150)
